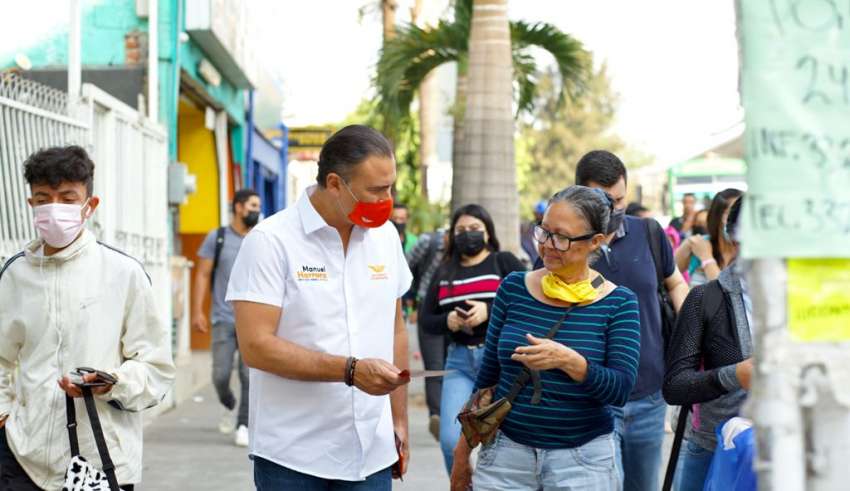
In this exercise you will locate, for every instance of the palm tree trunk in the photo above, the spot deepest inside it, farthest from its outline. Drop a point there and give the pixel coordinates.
(485, 172)
(427, 116)
(388, 8)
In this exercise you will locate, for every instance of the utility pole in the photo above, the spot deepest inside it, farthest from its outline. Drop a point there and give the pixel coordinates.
(795, 87)
(74, 57)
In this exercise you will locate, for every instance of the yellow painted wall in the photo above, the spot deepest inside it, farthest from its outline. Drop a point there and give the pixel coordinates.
(196, 149)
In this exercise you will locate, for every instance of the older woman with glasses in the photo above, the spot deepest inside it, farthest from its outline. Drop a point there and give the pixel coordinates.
(558, 434)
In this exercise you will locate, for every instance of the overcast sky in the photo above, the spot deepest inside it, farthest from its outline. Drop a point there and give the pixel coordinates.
(673, 62)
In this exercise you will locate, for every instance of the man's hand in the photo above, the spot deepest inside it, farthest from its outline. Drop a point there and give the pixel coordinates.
(401, 433)
(377, 377)
(477, 313)
(461, 478)
(200, 323)
(74, 391)
(744, 372)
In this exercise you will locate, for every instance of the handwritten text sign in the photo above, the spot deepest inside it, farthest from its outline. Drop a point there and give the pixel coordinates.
(796, 93)
(819, 299)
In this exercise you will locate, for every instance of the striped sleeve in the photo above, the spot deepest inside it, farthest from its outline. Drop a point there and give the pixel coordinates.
(488, 375)
(612, 382)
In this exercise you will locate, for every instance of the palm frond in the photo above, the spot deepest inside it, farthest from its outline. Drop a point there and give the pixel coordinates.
(572, 60)
(407, 59)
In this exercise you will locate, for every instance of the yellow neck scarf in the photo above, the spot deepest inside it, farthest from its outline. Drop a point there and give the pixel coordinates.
(579, 292)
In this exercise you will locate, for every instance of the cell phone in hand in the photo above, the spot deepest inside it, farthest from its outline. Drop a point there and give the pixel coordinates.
(462, 313)
(102, 378)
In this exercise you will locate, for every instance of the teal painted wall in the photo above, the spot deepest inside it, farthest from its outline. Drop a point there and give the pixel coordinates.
(104, 25)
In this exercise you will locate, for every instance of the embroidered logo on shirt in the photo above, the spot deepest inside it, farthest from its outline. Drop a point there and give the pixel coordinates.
(312, 273)
(378, 272)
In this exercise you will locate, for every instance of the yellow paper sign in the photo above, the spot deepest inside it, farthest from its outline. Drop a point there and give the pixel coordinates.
(819, 299)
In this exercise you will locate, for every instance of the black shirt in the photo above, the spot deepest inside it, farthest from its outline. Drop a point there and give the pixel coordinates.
(479, 282)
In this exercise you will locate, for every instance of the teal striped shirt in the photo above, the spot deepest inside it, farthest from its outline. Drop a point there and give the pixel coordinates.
(570, 414)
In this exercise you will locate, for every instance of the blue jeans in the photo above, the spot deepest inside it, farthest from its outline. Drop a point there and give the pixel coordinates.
(269, 476)
(692, 468)
(505, 465)
(457, 387)
(639, 425)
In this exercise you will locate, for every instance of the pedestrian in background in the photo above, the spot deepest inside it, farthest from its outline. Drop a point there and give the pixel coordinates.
(68, 301)
(424, 260)
(710, 361)
(685, 223)
(529, 246)
(558, 433)
(703, 256)
(317, 290)
(399, 218)
(215, 263)
(458, 305)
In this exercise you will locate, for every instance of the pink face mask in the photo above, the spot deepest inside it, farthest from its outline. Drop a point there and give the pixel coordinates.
(59, 224)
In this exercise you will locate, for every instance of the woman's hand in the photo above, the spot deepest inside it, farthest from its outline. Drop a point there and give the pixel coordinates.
(700, 247)
(461, 478)
(744, 372)
(454, 322)
(546, 354)
(477, 313)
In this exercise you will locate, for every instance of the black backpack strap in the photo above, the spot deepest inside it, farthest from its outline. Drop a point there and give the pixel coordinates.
(219, 245)
(712, 299)
(652, 228)
(677, 447)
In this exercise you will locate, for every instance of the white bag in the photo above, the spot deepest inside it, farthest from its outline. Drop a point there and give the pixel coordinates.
(81, 475)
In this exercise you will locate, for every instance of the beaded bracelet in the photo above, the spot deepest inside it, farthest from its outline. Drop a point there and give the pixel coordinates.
(350, 365)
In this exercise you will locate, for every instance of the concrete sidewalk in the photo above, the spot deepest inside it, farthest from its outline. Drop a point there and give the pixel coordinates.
(184, 451)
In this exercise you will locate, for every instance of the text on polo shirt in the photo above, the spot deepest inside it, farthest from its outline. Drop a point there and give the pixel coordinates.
(312, 273)
(378, 272)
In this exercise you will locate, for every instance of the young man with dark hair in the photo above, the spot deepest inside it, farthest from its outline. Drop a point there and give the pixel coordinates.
(628, 260)
(215, 262)
(399, 217)
(68, 301)
(317, 294)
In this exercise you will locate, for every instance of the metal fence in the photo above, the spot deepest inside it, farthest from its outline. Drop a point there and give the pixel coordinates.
(131, 171)
(32, 116)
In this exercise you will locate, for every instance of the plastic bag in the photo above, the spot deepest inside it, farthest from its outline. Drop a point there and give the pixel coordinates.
(732, 464)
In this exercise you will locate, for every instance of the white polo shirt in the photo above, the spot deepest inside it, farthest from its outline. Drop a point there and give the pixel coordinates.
(337, 303)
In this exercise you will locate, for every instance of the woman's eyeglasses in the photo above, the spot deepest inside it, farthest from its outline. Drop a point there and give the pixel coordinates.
(559, 242)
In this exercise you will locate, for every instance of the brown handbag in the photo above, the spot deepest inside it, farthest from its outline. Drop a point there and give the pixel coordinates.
(481, 416)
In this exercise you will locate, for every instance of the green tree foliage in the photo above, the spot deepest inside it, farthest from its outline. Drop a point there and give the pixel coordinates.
(555, 136)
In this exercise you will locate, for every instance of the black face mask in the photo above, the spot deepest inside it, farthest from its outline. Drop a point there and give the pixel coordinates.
(616, 220)
(251, 218)
(470, 243)
(698, 230)
(401, 227)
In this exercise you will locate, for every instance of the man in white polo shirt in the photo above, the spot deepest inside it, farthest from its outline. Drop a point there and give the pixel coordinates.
(316, 290)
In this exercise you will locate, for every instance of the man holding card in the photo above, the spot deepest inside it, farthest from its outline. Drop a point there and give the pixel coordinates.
(316, 291)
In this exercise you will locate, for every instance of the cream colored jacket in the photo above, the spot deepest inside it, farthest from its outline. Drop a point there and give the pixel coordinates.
(86, 306)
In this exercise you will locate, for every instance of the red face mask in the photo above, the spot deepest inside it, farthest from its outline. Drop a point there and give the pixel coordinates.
(370, 215)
